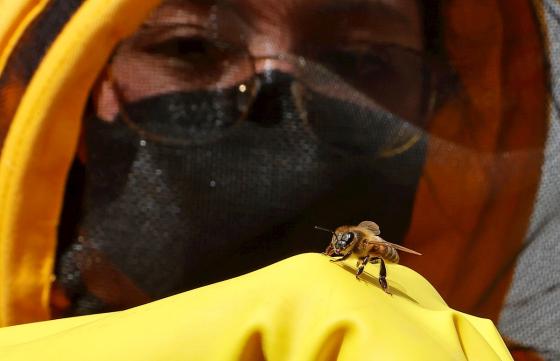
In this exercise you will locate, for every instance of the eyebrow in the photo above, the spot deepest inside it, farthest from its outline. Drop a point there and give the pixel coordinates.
(358, 20)
(322, 6)
(179, 11)
(183, 2)
(368, 20)
(369, 7)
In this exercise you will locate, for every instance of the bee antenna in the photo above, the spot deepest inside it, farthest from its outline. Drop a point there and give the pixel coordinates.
(326, 230)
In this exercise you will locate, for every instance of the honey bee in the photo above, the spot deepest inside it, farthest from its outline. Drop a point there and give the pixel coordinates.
(363, 240)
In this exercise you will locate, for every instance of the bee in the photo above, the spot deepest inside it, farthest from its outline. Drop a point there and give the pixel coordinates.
(363, 241)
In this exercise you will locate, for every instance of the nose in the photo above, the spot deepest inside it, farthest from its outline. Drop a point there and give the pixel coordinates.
(274, 101)
(267, 48)
(272, 63)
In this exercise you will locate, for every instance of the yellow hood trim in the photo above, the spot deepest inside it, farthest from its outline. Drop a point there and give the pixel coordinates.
(17, 16)
(38, 151)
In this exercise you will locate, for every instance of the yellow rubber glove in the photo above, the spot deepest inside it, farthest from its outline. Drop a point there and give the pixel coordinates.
(303, 308)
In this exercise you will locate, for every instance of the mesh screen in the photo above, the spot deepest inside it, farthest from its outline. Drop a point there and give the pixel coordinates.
(173, 217)
(203, 164)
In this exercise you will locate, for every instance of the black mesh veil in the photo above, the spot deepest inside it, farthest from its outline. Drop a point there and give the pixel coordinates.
(211, 166)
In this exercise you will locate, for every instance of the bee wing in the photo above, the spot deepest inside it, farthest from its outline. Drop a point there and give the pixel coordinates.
(396, 246)
(372, 226)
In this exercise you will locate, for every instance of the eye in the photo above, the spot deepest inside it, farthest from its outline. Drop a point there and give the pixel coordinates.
(345, 240)
(197, 60)
(393, 76)
(180, 47)
(347, 63)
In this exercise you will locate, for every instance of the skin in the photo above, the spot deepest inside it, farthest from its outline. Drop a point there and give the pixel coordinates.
(265, 28)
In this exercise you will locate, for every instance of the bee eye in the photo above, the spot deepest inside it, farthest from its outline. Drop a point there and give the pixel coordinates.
(345, 240)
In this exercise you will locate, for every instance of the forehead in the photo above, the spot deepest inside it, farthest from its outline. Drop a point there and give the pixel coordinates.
(399, 18)
(404, 12)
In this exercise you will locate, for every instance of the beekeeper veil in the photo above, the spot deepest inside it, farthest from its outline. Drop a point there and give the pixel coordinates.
(221, 132)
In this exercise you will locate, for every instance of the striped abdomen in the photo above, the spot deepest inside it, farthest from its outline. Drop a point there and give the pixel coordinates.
(389, 253)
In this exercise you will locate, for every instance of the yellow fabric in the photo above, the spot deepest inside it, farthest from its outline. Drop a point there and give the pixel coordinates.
(303, 308)
(16, 16)
(40, 146)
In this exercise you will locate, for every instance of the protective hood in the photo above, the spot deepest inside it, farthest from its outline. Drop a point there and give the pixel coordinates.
(472, 201)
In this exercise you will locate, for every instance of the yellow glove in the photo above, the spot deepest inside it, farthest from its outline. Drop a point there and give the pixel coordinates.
(303, 308)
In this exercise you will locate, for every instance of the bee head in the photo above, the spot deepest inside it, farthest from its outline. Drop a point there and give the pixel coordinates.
(342, 241)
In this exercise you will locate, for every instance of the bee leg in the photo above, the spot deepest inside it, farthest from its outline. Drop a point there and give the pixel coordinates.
(329, 250)
(362, 266)
(383, 276)
(342, 258)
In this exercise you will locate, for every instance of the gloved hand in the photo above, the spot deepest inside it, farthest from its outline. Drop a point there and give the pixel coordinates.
(302, 308)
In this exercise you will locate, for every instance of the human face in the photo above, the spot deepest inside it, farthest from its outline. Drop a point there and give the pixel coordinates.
(180, 193)
(346, 37)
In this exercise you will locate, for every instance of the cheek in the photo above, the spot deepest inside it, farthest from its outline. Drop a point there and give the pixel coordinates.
(105, 101)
